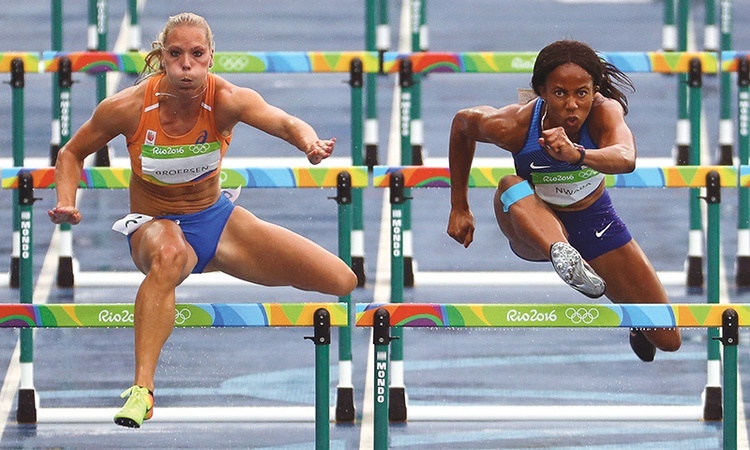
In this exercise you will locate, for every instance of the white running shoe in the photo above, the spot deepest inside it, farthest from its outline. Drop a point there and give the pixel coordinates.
(575, 271)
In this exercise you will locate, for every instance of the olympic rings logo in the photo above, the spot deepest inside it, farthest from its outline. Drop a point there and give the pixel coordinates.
(588, 173)
(234, 63)
(198, 149)
(582, 315)
(181, 316)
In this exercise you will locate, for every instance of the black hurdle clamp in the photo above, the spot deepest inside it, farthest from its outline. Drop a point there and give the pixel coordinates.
(356, 71)
(713, 187)
(695, 73)
(26, 189)
(343, 188)
(743, 72)
(730, 328)
(381, 327)
(405, 73)
(17, 73)
(322, 327)
(396, 185)
(65, 73)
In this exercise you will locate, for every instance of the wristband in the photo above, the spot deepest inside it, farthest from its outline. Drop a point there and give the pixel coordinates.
(582, 150)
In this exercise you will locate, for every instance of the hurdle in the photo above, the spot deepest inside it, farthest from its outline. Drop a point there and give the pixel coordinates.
(320, 316)
(387, 318)
(27, 316)
(343, 179)
(713, 178)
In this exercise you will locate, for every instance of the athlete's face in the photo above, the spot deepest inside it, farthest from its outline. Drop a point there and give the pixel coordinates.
(569, 94)
(187, 58)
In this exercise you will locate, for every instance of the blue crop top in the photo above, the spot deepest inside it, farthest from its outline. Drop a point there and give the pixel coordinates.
(557, 182)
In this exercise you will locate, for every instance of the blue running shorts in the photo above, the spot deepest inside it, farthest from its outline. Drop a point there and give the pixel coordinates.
(203, 229)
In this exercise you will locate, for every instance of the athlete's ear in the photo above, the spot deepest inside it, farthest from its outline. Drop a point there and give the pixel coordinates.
(542, 93)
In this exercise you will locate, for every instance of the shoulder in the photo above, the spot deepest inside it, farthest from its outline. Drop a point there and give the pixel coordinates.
(230, 96)
(121, 111)
(490, 117)
(505, 127)
(605, 112)
(605, 106)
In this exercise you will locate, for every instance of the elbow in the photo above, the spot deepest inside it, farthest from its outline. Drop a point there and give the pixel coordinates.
(628, 161)
(66, 158)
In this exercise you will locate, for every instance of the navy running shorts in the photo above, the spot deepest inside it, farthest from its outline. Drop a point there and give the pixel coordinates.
(595, 230)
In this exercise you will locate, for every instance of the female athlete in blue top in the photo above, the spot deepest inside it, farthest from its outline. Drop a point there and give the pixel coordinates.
(556, 207)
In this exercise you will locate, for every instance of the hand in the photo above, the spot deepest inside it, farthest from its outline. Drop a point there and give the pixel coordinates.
(557, 144)
(64, 214)
(461, 226)
(320, 150)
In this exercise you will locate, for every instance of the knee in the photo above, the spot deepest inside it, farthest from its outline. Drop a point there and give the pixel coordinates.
(169, 261)
(507, 182)
(501, 196)
(346, 282)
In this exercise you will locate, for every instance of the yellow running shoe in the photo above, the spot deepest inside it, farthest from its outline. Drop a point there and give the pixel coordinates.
(139, 407)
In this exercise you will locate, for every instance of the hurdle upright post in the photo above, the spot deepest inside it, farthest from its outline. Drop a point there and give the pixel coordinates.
(17, 84)
(98, 27)
(695, 276)
(726, 124)
(712, 409)
(65, 276)
(322, 341)
(710, 28)
(742, 269)
(683, 122)
(418, 44)
(345, 389)
(356, 81)
(406, 83)
(668, 29)
(57, 37)
(397, 396)
(26, 411)
(381, 339)
(134, 33)
(372, 33)
(730, 338)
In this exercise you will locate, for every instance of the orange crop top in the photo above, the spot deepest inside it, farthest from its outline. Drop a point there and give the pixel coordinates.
(163, 159)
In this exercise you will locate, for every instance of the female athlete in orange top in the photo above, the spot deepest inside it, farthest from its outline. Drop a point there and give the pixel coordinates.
(178, 124)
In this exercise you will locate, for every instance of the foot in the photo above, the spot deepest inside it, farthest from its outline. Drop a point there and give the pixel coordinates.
(641, 346)
(139, 407)
(575, 271)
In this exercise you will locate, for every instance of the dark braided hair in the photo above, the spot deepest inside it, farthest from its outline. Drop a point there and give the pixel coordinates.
(607, 78)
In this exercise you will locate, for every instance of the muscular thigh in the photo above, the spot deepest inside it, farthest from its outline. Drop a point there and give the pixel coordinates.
(264, 253)
(629, 275)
